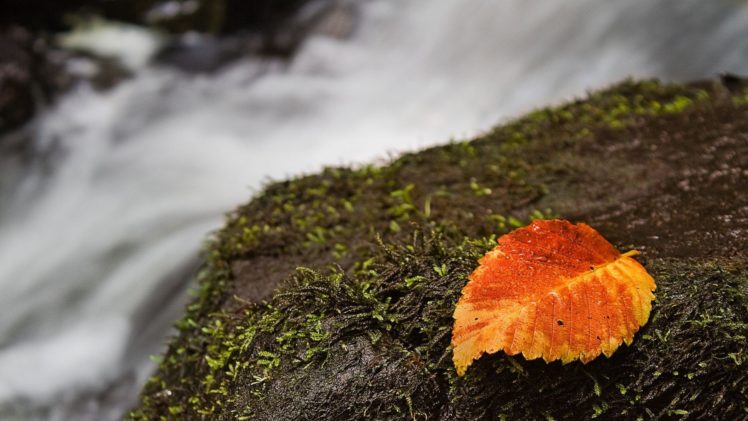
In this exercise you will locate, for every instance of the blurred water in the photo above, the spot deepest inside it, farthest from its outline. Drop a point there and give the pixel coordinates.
(95, 253)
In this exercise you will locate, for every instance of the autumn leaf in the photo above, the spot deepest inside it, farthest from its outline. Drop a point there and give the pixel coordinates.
(553, 290)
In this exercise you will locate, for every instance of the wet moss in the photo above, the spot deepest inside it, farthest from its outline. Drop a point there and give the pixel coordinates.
(742, 98)
(364, 331)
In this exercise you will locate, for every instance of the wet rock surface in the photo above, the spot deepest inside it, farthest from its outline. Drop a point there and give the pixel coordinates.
(357, 377)
(270, 27)
(28, 76)
(266, 32)
(176, 16)
(16, 97)
(675, 187)
(659, 168)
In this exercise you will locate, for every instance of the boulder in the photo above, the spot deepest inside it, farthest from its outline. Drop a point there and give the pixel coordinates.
(330, 296)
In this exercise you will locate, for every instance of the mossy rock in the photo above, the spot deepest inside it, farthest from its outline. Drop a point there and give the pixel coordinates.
(330, 296)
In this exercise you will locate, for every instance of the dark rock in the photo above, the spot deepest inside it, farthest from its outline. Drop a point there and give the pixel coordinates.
(269, 19)
(208, 33)
(275, 37)
(187, 16)
(283, 24)
(33, 72)
(365, 332)
(357, 377)
(17, 96)
(53, 16)
(204, 54)
(733, 83)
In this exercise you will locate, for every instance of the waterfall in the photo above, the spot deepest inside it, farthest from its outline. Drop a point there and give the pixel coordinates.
(97, 247)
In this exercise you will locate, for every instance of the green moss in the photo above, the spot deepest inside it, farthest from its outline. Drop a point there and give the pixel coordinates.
(742, 98)
(389, 248)
(701, 306)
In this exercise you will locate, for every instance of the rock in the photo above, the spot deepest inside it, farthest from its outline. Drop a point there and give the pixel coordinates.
(362, 328)
(54, 16)
(277, 25)
(207, 53)
(206, 33)
(279, 35)
(33, 71)
(31, 75)
(17, 103)
(283, 25)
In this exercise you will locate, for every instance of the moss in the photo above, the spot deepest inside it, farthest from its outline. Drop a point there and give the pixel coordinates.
(742, 98)
(687, 358)
(365, 330)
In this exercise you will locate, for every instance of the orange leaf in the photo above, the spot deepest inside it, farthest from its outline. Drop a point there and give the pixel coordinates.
(553, 290)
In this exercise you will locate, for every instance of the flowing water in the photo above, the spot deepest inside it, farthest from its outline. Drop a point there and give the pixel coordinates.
(98, 245)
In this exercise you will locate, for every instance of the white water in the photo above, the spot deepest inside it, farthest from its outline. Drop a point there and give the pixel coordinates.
(95, 253)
